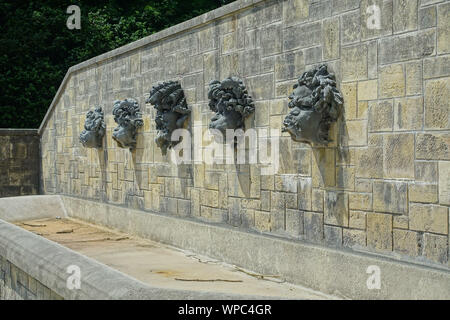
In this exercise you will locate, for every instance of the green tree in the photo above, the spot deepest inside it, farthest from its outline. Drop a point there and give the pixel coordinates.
(37, 47)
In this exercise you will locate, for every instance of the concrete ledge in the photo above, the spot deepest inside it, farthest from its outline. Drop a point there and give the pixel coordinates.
(335, 272)
(31, 207)
(47, 262)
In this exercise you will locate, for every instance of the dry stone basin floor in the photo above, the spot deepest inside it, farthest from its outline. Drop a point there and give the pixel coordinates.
(160, 265)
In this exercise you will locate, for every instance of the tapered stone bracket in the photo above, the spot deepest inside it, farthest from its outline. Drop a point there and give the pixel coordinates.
(171, 112)
(315, 104)
(129, 119)
(94, 129)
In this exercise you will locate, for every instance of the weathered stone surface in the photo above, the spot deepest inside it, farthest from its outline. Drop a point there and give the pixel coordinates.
(360, 201)
(443, 27)
(381, 116)
(433, 146)
(336, 208)
(288, 65)
(294, 222)
(427, 17)
(357, 132)
(435, 248)
(437, 104)
(406, 47)
(413, 78)
(390, 197)
(262, 221)
(408, 113)
(405, 15)
(331, 38)
(391, 81)
(379, 231)
(349, 91)
(369, 162)
(427, 171)
(436, 67)
(398, 150)
(313, 226)
(428, 218)
(295, 11)
(271, 39)
(303, 36)
(406, 242)
(357, 219)
(354, 238)
(354, 62)
(367, 90)
(444, 183)
(351, 27)
(420, 192)
(333, 236)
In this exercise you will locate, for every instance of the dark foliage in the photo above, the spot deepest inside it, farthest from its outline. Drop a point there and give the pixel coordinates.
(37, 47)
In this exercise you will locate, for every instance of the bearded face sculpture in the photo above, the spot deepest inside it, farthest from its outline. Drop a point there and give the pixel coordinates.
(171, 112)
(94, 129)
(129, 119)
(315, 104)
(231, 102)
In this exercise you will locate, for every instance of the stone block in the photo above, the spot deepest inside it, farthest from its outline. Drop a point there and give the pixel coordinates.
(408, 113)
(303, 36)
(405, 15)
(369, 162)
(427, 171)
(427, 17)
(317, 200)
(295, 11)
(443, 27)
(351, 27)
(381, 116)
(360, 201)
(331, 38)
(353, 238)
(407, 242)
(413, 78)
(428, 218)
(350, 102)
(398, 153)
(271, 39)
(304, 194)
(390, 197)
(333, 236)
(436, 67)
(289, 65)
(294, 222)
(433, 146)
(354, 62)
(313, 226)
(379, 231)
(437, 104)
(391, 81)
(421, 192)
(336, 208)
(357, 219)
(444, 183)
(435, 247)
(407, 47)
(367, 90)
(262, 221)
(357, 132)
(323, 167)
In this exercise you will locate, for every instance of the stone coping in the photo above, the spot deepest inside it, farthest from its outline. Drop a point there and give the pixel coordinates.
(166, 33)
(48, 262)
(18, 132)
(337, 272)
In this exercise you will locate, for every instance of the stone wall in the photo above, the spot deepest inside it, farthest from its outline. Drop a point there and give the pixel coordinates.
(15, 284)
(19, 162)
(382, 185)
